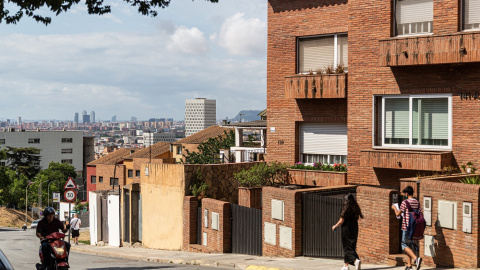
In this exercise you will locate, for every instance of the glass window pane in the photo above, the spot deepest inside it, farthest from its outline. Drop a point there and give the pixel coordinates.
(396, 121)
(412, 14)
(471, 14)
(430, 121)
(315, 53)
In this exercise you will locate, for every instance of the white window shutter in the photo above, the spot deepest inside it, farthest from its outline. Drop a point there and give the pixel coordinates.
(326, 139)
(414, 16)
(315, 53)
(472, 14)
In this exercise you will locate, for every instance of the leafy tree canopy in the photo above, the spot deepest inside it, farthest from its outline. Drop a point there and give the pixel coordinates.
(30, 8)
(208, 149)
(23, 160)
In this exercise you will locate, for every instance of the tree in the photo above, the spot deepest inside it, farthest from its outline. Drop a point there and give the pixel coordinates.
(59, 172)
(208, 149)
(12, 188)
(23, 160)
(30, 8)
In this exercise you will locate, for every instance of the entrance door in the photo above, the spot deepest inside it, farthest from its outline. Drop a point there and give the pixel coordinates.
(104, 219)
(126, 216)
(246, 230)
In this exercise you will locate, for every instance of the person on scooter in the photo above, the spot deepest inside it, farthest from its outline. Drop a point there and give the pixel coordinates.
(48, 225)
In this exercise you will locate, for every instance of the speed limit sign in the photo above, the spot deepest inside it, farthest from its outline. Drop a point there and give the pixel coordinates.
(70, 195)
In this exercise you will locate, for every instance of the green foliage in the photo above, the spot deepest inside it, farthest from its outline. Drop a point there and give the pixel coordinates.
(449, 170)
(80, 206)
(198, 188)
(472, 180)
(36, 8)
(468, 167)
(208, 150)
(320, 167)
(22, 160)
(12, 188)
(57, 175)
(263, 174)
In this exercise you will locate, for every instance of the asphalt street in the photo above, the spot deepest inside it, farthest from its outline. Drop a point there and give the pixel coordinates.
(21, 248)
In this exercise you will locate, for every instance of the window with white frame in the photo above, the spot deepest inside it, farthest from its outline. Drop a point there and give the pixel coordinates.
(415, 121)
(413, 17)
(318, 53)
(471, 14)
(67, 151)
(323, 142)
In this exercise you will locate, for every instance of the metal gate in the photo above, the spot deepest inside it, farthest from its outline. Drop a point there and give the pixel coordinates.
(246, 230)
(320, 213)
(126, 216)
(199, 225)
(104, 219)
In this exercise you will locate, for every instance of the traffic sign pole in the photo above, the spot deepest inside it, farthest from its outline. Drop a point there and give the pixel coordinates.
(69, 207)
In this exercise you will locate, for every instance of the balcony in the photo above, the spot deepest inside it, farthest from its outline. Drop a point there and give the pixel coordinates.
(316, 86)
(408, 160)
(429, 50)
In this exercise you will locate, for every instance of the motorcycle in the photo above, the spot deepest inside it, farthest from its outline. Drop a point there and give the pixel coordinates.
(24, 227)
(58, 252)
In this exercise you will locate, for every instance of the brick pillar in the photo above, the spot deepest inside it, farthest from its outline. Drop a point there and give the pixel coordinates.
(379, 231)
(190, 206)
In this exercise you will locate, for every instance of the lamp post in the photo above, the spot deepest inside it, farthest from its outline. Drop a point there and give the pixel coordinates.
(26, 201)
(48, 188)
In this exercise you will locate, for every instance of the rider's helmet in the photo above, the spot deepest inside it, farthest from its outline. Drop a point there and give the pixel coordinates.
(47, 211)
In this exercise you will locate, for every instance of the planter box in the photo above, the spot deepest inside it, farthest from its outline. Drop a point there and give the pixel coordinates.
(318, 178)
(250, 197)
(316, 86)
(408, 160)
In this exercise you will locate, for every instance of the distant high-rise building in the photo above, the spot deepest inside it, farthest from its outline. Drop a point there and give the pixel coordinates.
(19, 120)
(134, 119)
(169, 119)
(114, 118)
(86, 118)
(200, 113)
(92, 116)
(76, 118)
(84, 112)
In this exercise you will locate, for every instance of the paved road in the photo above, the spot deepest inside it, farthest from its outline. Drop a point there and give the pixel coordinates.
(21, 248)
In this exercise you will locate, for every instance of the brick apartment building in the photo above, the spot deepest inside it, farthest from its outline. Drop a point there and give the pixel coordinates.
(408, 103)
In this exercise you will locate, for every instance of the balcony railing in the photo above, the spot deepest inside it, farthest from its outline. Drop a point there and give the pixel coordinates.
(428, 50)
(409, 160)
(316, 86)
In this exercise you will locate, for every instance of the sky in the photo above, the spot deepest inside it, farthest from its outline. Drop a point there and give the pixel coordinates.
(131, 65)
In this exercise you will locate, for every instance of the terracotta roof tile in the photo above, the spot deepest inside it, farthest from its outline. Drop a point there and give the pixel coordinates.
(157, 150)
(204, 135)
(112, 158)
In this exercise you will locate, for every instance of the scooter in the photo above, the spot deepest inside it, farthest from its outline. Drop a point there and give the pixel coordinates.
(24, 227)
(59, 259)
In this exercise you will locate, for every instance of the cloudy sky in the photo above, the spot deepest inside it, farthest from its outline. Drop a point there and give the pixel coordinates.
(126, 64)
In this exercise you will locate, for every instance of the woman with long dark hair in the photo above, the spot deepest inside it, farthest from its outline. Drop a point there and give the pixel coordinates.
(351, 212)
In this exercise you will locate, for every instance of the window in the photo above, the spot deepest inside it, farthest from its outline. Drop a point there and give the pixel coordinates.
(113, 181)
(413, 17)
(93, 179)
(67, 140)
(100, 179)
(34, 140)
(323, 142)
(2, 141)
(316, 53)
(67, 151)
(179, 150)
(35, 163)
(137, 173)
(130, 173)
(67, 161)
(471, 14)
(413, 121)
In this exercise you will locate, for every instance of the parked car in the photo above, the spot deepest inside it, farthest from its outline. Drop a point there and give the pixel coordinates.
(4, 263)
(34, 224)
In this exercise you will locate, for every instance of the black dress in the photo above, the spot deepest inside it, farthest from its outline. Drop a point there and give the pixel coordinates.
(349, 239)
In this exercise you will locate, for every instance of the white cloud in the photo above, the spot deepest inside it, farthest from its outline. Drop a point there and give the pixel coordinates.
(190, 41)
(241, 36)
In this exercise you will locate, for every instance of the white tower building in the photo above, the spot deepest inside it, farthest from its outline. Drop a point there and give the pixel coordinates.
(200, 113)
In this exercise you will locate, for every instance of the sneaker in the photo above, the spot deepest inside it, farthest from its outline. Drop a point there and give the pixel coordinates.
(358, 264)
(345, 268)
(408, 268)
(418, 263)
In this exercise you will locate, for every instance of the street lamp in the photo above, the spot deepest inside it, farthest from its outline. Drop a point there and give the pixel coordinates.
(48, 188)
(26, 201)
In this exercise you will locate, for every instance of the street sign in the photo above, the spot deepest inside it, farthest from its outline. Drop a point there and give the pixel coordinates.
(70, 195)
(70, 184)
(56, 197)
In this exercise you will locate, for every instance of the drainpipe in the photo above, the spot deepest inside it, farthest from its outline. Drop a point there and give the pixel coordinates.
(418, 190)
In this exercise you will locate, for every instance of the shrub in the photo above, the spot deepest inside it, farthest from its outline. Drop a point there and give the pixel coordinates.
(263, 174)
(472, 180)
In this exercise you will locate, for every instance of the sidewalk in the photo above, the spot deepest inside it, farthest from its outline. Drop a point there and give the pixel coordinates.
(233, 261)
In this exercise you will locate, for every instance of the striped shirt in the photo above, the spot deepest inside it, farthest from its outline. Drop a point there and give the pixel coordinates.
(414, 204)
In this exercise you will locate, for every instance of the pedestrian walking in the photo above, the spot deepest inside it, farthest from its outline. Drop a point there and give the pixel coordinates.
(348, 221)
(408, 245)
(75, 223)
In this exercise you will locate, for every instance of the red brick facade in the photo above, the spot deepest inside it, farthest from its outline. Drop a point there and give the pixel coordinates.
(318, 178)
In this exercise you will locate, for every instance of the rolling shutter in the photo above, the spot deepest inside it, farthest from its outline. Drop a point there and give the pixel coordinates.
(325, 139)
(471, 14)
(315, 53)
(414, 16)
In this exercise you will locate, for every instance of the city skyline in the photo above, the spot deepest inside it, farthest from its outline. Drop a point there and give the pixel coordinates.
(130, 65)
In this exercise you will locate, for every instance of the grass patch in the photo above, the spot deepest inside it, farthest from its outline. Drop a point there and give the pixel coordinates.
(84, 242)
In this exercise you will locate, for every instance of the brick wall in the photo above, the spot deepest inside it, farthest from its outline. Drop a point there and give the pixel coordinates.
(137, 165)
(379, 231)
(107, 171)
(452, 247)
(91, 171)
(250, 197)
(190, 208)
(318, 178)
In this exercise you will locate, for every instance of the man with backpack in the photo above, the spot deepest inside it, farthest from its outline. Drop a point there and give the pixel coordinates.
(408, 209)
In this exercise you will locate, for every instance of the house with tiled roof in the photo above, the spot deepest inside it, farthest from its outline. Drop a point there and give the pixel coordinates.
(192, 142)
(104, 173)
(158, 153)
